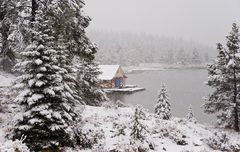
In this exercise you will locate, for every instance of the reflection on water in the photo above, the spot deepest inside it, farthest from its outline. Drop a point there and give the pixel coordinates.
(185, 87)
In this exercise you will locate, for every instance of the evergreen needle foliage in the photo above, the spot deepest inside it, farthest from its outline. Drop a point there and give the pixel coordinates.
(163, 107)
(53, 38)
(224, 78)
(138, 130)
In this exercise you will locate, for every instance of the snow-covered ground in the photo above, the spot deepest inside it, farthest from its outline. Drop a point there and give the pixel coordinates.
(6, 79)
(175, 135)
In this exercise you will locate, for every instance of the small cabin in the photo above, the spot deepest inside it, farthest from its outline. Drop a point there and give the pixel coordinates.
(112, 76)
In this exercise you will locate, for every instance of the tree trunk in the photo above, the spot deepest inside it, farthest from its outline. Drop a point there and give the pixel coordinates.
(33, 17)
(6, 52)
(235, 110)
(34, 9)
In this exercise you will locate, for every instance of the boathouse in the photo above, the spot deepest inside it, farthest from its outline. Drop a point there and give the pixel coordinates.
(112, 76)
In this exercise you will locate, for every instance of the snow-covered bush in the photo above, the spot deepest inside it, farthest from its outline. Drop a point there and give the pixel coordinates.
(139, 146)
(120, 129)
(218, 141)
(121, 104)
(14, 146)
(99, 147)
(88, 139)
(113, 104)
(120, 134)
(178, 138)
(167, 130)
(235, 147)
(109, 105)
(136, 146)
(83, 140)
(221, 141)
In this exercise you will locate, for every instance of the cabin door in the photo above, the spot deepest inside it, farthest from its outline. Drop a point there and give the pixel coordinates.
(118, 83)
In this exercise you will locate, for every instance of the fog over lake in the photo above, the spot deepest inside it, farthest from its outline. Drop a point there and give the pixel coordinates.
(205, 21)
(185, 87)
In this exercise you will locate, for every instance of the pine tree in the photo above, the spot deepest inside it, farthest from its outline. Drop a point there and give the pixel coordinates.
(224, 78)
(45, 95)
(170, 57)
(138, 129)
(15, 16)
(163, 107)
(190, 115)
(206, 57)
(196, 58)
(48, 90)
(81, 50)
(6, 25)
(181, 57)
(88, 83)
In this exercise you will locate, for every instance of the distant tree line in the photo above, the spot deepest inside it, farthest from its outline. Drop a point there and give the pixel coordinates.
(133, 49)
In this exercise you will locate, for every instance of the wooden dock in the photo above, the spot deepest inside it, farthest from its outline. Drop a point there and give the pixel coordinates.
(129, 89)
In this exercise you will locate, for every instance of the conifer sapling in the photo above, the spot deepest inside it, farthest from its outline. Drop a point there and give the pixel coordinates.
(163, 107)
(190, 116)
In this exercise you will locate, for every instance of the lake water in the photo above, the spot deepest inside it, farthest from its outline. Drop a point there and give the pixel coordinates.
(185, 87)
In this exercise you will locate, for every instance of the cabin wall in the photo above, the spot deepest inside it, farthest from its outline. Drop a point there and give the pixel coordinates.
(108, 84)
(124, 81)
(119, 73)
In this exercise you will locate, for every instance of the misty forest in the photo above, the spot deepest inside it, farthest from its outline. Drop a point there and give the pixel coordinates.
(119, 76)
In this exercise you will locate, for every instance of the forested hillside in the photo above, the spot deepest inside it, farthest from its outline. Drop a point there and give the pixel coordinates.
(132, 49)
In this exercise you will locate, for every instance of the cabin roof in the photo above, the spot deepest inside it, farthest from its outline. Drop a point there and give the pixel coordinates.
(108, 71)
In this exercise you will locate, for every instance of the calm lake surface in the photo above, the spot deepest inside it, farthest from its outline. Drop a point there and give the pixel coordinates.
(185, 87)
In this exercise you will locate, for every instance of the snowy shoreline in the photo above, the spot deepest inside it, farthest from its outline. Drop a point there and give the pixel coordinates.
(160, 67)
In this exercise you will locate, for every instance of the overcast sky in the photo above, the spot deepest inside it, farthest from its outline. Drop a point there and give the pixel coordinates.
(205, 21)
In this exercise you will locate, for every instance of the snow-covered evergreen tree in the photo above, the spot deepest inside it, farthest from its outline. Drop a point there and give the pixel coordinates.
(190, 116)
(88, 83)
(45, 95)
(15, 16)
(139, 135)
(181, 57)
(163, 107)
(138, 130)
(48, 89)
(80, 49)
(224, 78)
(196, 57)
(71, 23)
(6, 28)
